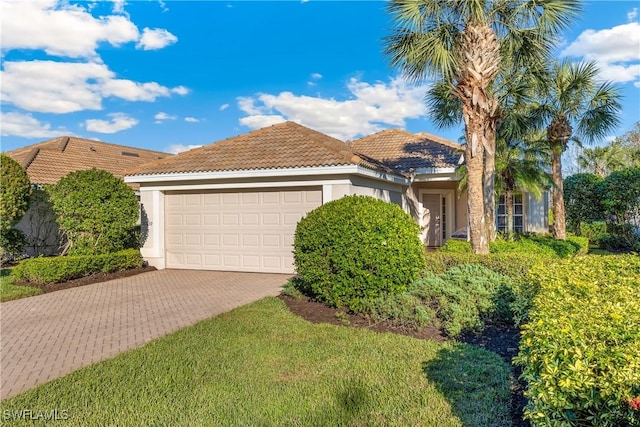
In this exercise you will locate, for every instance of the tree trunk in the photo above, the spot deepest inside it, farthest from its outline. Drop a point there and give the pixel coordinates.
(475, 194)
(489, 184)
(508, 202)
(559, 227)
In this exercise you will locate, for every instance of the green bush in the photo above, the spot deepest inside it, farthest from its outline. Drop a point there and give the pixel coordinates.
(580, 350)
(15, 190)
(466, 296)
(404, 310)
(455, 246)
(514, 265)
(96, 211)
(580, 242)
(353, 250)
(593, 230)
(57, 269)
(528, 243)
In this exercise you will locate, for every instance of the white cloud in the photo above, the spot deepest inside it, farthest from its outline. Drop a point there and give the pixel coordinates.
(191, 120)
(65, 87)
(314, 78)
(223, 107)
(60, 28)
(179, 148)
(24, 125)
(118, 6)
(163, 6)
(70, 30)
(118, 122)
(633, 14)
(180, 90)
(153, 39)
(161, 116)
(372, 107)
(614, 49)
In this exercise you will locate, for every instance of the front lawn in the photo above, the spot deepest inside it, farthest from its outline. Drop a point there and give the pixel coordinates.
(261, 365)
(9, 291)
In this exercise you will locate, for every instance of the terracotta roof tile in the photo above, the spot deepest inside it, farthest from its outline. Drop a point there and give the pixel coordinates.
(48, 161)
(284, 145)
(403, 152)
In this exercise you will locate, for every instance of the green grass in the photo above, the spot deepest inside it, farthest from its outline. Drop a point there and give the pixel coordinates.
(9, 291)
(260, 365)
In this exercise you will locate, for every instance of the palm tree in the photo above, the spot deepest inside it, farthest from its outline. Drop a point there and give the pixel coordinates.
(465, 44)
(514, 96)
(574, 105)
(602, 160)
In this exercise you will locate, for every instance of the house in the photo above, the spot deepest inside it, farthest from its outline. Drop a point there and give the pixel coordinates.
(48, 161)
(234, 205)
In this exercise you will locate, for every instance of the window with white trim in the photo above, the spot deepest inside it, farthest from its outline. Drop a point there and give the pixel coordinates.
(518, 214)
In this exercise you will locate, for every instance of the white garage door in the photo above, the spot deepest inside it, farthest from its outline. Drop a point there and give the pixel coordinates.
(235, 231)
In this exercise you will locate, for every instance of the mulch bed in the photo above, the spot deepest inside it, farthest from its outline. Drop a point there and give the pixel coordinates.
(500, 339)
(87, 280)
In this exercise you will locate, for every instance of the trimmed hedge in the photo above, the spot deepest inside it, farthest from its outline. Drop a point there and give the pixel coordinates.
(530, 244)
(57, 269)
(355, 249)
(514, 265)
(580, 350)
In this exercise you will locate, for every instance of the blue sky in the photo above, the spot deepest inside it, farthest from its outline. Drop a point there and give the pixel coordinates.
(167, 75)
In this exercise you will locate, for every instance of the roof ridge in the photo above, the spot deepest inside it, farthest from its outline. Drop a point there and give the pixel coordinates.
(30, 157)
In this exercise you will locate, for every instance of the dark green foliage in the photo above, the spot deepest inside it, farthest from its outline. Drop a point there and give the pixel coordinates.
(15, 190)
(57, 269)
(96, 211)
(582, 201)
(580, 349)
(466, 296)
(353, 250)
(12, 243)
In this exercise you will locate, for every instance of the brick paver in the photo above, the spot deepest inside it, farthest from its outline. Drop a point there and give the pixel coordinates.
(47, 336)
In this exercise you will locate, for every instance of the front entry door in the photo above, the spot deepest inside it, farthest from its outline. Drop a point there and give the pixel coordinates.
(431, 219)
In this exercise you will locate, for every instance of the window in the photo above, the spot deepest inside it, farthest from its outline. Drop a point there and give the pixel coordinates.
(518, 214)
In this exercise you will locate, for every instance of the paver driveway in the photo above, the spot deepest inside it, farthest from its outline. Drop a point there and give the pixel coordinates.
(47, 336)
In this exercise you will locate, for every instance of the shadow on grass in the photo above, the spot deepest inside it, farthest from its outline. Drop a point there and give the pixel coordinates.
(476, 383)
(5, 272)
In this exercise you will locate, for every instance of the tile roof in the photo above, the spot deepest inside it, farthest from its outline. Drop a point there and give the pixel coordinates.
(284, 145)
(404, 152)
(48, 161)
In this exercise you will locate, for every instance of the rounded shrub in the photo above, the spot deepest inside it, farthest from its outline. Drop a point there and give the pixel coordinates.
(353, 250)
(96, 211)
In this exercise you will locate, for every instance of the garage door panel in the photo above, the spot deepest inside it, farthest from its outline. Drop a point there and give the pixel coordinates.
(243, 231)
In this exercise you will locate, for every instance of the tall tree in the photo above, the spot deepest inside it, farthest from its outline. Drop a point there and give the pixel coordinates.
(574, 105)
(465, 44)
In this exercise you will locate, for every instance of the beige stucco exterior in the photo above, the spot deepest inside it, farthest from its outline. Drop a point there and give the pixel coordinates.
(312, 191)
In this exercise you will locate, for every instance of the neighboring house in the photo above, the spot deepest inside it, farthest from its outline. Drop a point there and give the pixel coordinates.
(234, 205)
(48, 161)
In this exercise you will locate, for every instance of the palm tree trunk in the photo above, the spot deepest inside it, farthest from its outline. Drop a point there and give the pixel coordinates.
(489, 184)
(559, 227)
(508, 202)
(475, 195)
